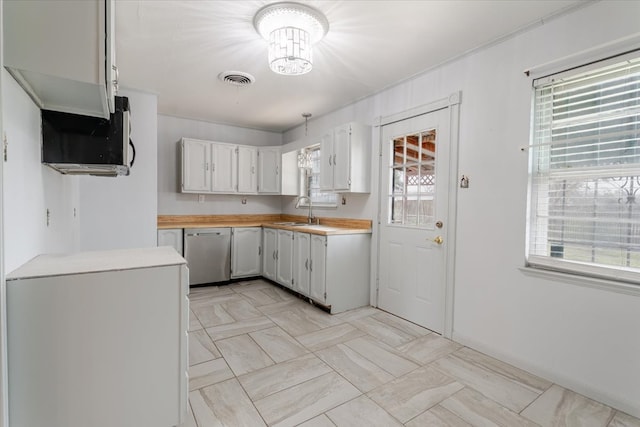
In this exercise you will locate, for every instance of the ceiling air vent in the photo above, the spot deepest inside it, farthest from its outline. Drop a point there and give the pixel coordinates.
(236, 78)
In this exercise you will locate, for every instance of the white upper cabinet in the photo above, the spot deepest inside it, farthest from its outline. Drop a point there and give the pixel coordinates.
(345, 156)
(62, 53)
(224, 168)
(269, 170)
(196, 166)
(247, 170)
(217, 167)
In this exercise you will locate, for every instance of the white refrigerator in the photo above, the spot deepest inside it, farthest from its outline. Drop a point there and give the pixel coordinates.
(99, 339)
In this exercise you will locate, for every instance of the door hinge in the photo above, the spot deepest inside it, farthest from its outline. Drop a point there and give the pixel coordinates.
(293, 281)
(325, 296)
(5, 146)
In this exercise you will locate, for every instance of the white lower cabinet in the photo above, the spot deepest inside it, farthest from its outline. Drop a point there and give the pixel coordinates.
(171, 237)
(246, 252)
(284, 258)
(318, 268)
(99, 339)
(270, 245)
(301, 258)
(333, 270)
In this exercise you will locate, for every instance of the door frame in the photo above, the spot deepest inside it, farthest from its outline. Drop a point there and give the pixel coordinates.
(452, 104)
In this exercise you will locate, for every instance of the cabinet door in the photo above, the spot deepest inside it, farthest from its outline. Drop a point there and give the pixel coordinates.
(171, 237)
(301, 252)
(317, 266)
(56, 49)
(269, 168)
(224, 168)
(196, 171)
(284, 258)
(246, 252)
(342, 158)
(269, 242)
(247, 170)
(326, 161)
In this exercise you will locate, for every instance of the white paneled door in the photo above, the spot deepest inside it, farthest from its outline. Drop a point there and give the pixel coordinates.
(413, 214)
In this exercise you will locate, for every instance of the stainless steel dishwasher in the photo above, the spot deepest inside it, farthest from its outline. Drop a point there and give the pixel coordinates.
(208, 254)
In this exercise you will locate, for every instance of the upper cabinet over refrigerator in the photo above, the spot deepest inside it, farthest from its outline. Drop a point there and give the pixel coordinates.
(63, 53)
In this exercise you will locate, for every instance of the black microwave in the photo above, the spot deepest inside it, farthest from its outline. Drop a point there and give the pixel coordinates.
(74, 144)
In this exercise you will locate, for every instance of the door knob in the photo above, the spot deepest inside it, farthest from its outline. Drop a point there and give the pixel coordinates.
(438, 240)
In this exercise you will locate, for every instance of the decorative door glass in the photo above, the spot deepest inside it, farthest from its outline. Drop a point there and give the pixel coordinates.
(413, 179)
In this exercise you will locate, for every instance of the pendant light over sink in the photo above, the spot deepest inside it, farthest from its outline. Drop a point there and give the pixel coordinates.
(291, 29)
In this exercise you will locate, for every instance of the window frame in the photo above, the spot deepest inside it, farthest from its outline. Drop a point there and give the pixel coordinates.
(305, 175)
(608, 275)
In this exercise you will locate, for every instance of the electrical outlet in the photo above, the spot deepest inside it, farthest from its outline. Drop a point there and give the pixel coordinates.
(200, 198)
(244, 200)
(344, 200)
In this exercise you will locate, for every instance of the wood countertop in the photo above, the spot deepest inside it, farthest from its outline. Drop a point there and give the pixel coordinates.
(326, 226)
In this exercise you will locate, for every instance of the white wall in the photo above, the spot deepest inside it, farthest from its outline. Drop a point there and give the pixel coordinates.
(31, 188)
(584, 338)
(121, 212)
(172, 202)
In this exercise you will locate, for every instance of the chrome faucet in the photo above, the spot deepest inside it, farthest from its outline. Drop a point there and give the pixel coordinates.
(310, 204)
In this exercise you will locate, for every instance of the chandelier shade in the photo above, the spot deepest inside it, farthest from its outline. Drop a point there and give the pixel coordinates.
(291, 29)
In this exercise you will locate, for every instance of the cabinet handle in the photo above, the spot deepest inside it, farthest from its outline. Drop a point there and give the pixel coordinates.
(277, 254)
(306, 264)
(213, 167)
(259, 250)
(274, 254)
(253, 169)
(311, 265)
(334, 160)
(277, 170)
(116, 81)
(329, 159)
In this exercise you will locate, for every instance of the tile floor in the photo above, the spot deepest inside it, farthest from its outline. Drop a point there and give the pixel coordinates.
(261, 356)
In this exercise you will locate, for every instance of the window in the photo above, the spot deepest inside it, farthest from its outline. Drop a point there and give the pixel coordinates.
(311, 180)
(584, 206)
(413, 179)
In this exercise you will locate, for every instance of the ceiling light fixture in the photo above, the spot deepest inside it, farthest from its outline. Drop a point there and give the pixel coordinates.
(291, 29)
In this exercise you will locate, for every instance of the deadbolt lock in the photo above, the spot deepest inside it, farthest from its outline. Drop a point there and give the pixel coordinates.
(439, 224)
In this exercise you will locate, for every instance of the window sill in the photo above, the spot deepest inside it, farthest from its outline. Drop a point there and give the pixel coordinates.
(586, 281)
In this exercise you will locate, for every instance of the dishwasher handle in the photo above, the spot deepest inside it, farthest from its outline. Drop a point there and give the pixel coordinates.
(217, 233)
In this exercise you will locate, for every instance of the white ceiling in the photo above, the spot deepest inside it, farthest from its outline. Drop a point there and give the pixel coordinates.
(177, 48)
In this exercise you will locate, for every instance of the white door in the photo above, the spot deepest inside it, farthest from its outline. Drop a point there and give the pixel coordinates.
(247, 170)
(284, 258)
(269, 161)
(341, 158)
(171, 237)
(246, 251)
(196, 173)
(224, 168)
(326, 161)
(413, 213)
(301, 253)
(318, 267)
(270, 243)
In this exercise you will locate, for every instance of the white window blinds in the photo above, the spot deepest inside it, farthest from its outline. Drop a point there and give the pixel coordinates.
(584, 207)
